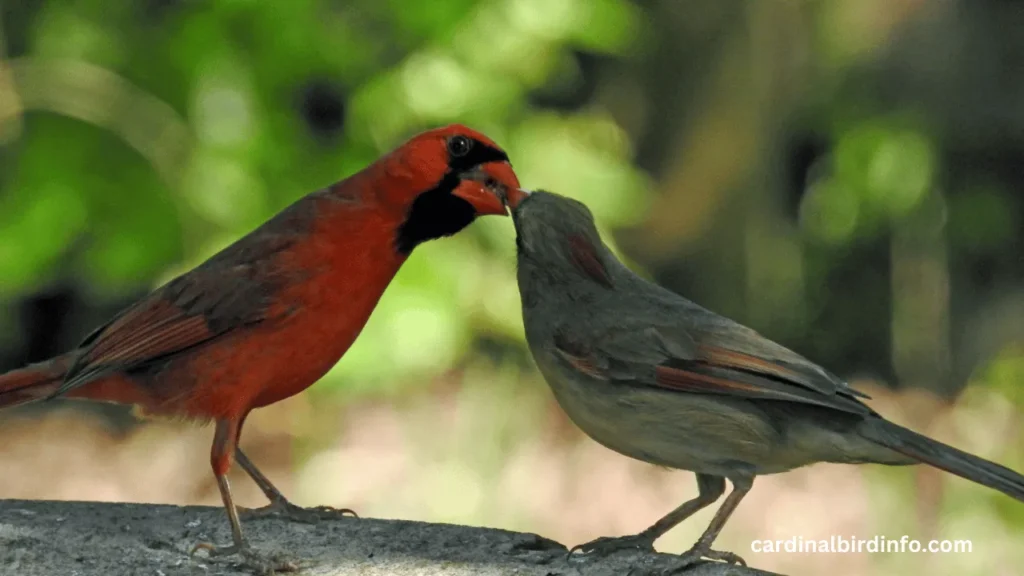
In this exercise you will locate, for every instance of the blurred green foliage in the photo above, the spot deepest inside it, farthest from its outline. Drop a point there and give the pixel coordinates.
(881, 171)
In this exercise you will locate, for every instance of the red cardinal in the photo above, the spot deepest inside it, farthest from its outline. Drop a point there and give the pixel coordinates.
(267, 316)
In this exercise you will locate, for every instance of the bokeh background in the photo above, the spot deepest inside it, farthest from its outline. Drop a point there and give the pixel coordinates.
(844, 175)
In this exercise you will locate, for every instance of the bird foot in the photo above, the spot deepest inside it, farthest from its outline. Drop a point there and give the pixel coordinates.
(607, 545)
(283, 508)
(213, 551)
(698, 553)
(259, 564)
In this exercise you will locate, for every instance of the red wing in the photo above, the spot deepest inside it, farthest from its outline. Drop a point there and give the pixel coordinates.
(188, 311)
(152, 329)
(234, 289)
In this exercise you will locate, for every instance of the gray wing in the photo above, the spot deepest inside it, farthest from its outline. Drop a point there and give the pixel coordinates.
(705, 355)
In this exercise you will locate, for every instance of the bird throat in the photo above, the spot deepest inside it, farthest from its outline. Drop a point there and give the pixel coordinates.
(434, 214)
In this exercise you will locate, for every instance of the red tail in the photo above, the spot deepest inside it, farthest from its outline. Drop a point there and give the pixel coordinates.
(33, 382)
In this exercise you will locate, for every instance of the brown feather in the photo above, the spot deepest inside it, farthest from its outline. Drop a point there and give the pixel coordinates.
(737, 360)
(147, 331)
(687, 381)
(582, 364)
(577, 355)
(584, 257)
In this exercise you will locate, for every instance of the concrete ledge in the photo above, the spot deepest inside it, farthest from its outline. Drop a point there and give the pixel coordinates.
(102, 539)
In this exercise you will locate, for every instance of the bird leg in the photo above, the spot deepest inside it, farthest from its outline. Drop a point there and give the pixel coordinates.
(702, 548)
(710, 489)
(279, 505)
(225, 440)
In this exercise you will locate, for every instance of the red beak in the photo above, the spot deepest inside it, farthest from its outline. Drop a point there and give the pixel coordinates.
(515, 196)
(487, 187)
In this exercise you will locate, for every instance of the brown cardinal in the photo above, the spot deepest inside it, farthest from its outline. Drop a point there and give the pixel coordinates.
(654, 376)
(267, 316)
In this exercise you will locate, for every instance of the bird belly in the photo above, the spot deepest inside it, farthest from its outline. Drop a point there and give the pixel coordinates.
(684, 431)
(312, 327)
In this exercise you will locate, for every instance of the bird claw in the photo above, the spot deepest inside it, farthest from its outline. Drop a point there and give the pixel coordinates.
(284, 508)
(697, 554)
(213, 551)
(607, 545)
(727, 557)
(258, 563)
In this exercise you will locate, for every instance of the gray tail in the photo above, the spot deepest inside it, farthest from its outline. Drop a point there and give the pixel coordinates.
(939, 455)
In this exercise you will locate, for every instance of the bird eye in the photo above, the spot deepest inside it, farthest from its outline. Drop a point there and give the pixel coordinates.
(459, 146)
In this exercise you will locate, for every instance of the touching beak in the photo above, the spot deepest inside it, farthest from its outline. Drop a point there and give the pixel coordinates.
(515, 196)
(487, 187)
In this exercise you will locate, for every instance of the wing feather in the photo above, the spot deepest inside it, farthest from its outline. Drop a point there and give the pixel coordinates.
(671, 358)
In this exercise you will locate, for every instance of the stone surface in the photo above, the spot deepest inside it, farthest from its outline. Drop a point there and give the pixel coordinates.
(94, 539)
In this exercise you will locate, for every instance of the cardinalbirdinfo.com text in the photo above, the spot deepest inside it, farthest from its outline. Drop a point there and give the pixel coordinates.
(840, 544)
